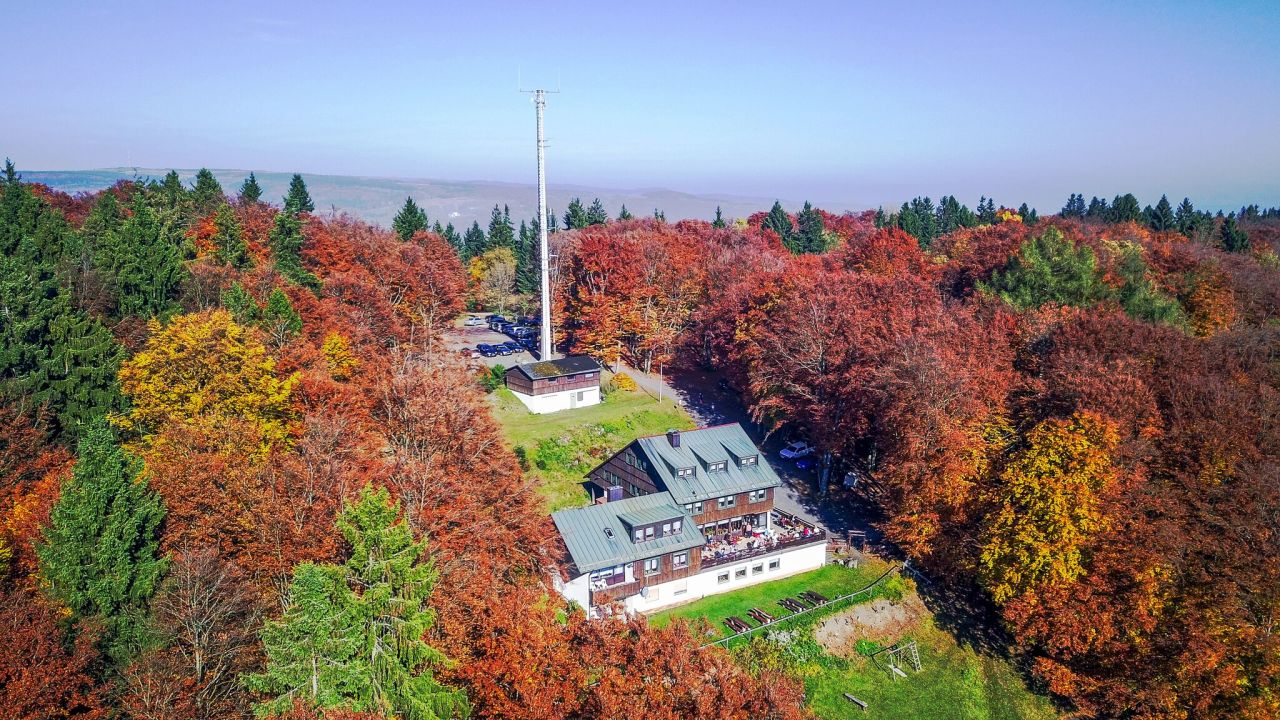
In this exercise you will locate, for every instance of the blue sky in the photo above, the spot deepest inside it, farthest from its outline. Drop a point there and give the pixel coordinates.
(845, 103)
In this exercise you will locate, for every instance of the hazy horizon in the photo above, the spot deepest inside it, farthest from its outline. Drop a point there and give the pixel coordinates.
(845, 105)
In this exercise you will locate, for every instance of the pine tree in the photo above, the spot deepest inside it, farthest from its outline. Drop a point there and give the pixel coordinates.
(250, 191)
(207, 193)
(279, 320)
(1186, 218)
(1162, 218)
(451, 236)
(142, 259)
(298, 200)
(473, 242)
(624, 213)
(718, 221)
(1125, 208)
(409, 220)
(1232, 237)
(100, 553)
(881, 220)
(1074, 207)
(919, 219)
(286, 247)
(232, 249)
(986, 211)
(659, 215)
(576, 216)
(779, 222)
(243, 308)
(501, 234)
(552, 226)
(528, 269)
(1097, 208)
(596, 214)
(172, 190)
(352, 636)
(809, 237)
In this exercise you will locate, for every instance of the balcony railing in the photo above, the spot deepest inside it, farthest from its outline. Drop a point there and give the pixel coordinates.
(815, 536)
(609, 593)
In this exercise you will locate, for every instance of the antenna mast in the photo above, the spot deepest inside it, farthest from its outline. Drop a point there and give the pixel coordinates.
(545, 348)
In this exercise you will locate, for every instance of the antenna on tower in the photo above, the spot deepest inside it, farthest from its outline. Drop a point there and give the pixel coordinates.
(545, 349)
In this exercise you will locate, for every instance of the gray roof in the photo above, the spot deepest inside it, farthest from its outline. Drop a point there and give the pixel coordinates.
(571, 365)
(583, 530)
(698, 448)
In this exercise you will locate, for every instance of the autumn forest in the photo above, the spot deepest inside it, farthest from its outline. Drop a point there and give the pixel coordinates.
(244, 476)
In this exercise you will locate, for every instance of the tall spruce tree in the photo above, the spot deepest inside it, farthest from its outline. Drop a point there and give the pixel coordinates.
(528, 270)
(501, 234)
(411, 219)
(659, 215)
(286, 248)
(143, 261)
(279, 320)
(298, 200)
(207, 193)
(1125, 208)
(779, 222)
(353, 636)
(1186, 217)
(809, 236)
(451, 236)
(1161, 217)
(576, 216)
(100, 553)
(718, 220)
(243, 308)
(624, 213)
(1232, 236)
(1097, 209)
(250, 190)
(232, 249)
(1050, 268)
(1074, 207)
(473, 242)
(596, 214)
(172, 190)
(986, 211)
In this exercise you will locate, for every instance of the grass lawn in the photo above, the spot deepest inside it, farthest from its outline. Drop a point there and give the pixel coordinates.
(561, 448)
(956, 681)
(830, 580)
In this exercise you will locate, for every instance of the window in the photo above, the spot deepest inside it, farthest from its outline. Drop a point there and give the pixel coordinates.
(722, 578)
(653, 566)
(648, 533)
(676, 526)
(694, 508)
(608, 532)
(629, 458)
(757, 569)
(684, 472)
(666, 529)
(680, 560)
(758, 496)
(747, 461)
(774, 565)
(639, 535)
(726, 502)
(717, 466)
(739, 573)
(589, 375)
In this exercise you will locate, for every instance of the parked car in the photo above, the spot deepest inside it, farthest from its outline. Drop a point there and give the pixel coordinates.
(502, 349)
(505, 328)
(795, 450)
(521, 331)
(514, 346)
(529, 343)
(473, 321)
(486, 350)
(496, 321)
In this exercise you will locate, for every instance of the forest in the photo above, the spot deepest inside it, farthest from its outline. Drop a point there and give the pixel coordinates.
(244, 478)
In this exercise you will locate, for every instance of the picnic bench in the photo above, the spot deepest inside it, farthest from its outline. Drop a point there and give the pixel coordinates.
(760, 616)
(856, 701)
(736, 624)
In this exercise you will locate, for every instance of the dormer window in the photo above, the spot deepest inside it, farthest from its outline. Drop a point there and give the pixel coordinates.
(719, 466)
(747, 461)
(684, 472)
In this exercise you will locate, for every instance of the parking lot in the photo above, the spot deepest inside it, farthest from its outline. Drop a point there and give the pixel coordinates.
(461, 338)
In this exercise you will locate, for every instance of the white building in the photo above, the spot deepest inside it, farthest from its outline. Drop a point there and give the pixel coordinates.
(547, 386)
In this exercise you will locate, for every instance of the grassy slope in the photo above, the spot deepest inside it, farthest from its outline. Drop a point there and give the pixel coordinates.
(956, 681)
(563, 447)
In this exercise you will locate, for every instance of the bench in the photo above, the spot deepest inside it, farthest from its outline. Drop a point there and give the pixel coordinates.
(856, 701)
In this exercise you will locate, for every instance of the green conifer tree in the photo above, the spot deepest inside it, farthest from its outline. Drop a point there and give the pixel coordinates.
(1233, 237)
(809, 236)
(1125, 208)
(718, 220)
(232, 249)
(624, 213)
(243, 308)
(596, 214)
(473, 242)
(780, 222)
(143, 261)
(1162, 217)
(100, 552)
(279, 320)
(528, 270)
(1049, 268)
(659, 215)
(286, 247)
(172, 190)
(207, 193)
(250, 190)
(1186, 217)
(298, 200)
(1097, 209)
(352, 636)
(576, 216)
(409, 220)
(501, 234)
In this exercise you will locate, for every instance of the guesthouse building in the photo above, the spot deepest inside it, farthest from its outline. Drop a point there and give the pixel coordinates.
(547, 386)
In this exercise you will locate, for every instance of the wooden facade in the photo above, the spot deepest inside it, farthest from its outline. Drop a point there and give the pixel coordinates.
(712, 512)
(667, 573)
(628, 476)
(519, 382)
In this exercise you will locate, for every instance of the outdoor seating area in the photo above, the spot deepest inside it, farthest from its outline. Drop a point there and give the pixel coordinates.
(747, 540)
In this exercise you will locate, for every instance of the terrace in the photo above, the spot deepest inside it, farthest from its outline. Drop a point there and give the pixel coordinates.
(786, 531)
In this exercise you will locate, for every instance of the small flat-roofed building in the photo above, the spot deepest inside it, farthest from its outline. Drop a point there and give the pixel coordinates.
(547, 386)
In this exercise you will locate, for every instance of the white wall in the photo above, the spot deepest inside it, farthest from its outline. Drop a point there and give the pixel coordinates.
(557, 401)
(576, 590)
(706, 582)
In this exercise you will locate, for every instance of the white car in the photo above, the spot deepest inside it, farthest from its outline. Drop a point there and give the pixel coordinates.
(796, 450)
(473, 321)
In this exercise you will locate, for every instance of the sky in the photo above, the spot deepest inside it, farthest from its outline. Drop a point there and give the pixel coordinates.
(846, 103)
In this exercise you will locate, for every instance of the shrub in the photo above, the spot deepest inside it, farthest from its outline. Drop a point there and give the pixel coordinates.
(495, 378)
(623, 381)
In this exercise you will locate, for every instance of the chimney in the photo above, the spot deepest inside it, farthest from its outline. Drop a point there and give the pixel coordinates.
(673, 437)
(615, 493)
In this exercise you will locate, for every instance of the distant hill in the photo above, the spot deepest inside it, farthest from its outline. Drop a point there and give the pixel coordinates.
(378, 199)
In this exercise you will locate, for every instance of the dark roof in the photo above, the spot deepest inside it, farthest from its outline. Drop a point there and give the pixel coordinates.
(571, 365)
(583, 531)
(698, 449)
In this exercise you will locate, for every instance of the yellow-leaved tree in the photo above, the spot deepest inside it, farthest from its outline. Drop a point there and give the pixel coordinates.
(202, 367)
(1048, 498)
